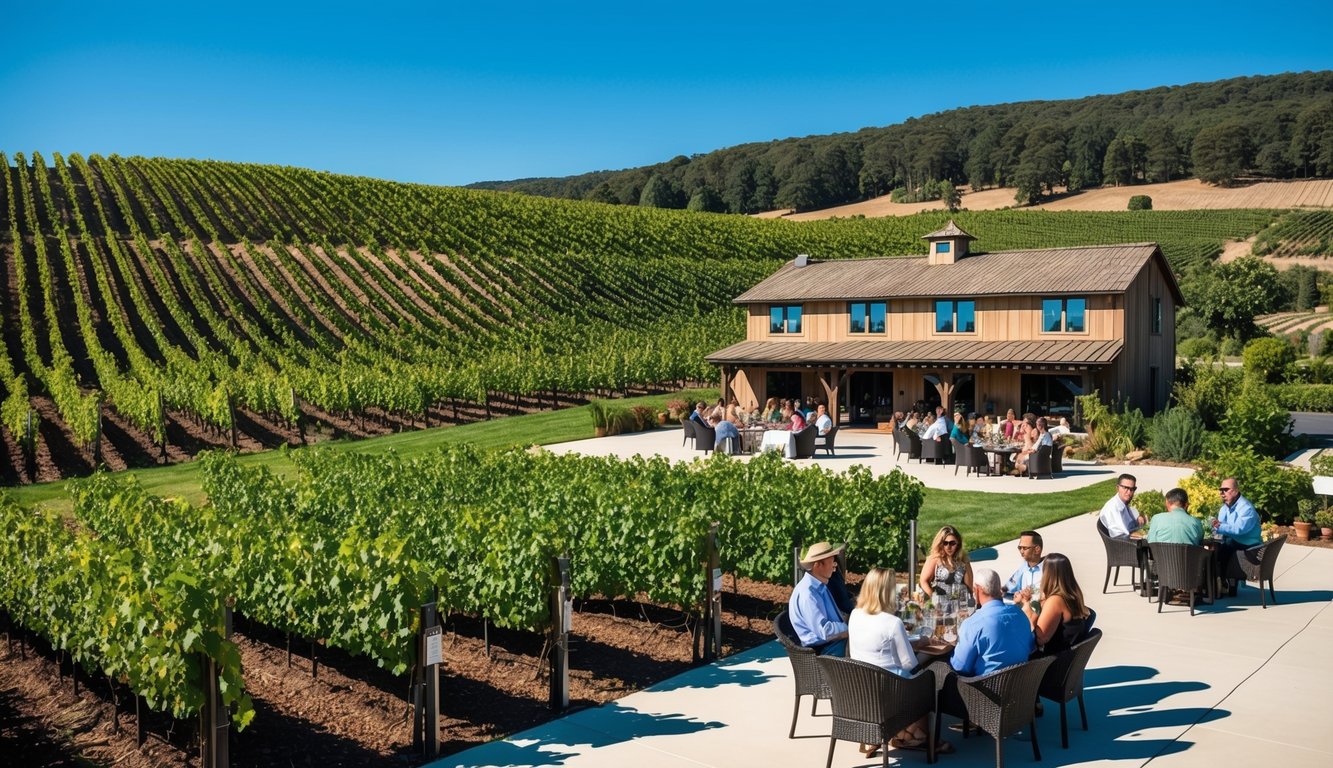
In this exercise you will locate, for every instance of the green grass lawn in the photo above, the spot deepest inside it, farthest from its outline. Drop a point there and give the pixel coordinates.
(984, 518)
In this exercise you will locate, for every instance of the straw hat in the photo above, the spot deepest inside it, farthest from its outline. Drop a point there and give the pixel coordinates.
(821, 550)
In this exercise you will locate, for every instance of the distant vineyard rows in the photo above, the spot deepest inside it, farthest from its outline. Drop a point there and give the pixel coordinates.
(202, 287)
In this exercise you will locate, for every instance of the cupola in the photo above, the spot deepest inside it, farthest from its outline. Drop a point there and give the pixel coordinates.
(947, 245)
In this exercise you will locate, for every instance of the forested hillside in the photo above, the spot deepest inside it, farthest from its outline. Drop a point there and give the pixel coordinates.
(157, 307)
(1278, 126)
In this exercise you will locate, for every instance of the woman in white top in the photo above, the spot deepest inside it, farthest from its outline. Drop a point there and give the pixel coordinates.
(877, 636)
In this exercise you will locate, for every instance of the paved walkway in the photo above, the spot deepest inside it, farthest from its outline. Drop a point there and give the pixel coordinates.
(1233, 685)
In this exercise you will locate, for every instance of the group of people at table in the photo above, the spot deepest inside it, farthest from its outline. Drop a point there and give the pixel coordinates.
(1026, 435)
(1236, 525)
(728, 419)
(1039, 610)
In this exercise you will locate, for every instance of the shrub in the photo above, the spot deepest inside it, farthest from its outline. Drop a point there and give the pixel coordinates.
(1140, 203)
(1193, 349)
(677, 409)
(1202, 490)
(1133, 426)
(1232, 346)
(1268, 359)
(599, 413)
(1274, 488)
(1177, 434)
(1324, 518)
(1150, 503)
(1304, 397)
(644, 418)
(1207, 390)
(1256, 421)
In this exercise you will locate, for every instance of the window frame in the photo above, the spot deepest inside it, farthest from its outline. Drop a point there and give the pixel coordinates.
(867, 318)
(1155, 322)
(953, 317)
(786, 310)
(1064, 329)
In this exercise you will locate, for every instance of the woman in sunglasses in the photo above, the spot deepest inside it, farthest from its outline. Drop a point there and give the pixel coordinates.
(947, 565)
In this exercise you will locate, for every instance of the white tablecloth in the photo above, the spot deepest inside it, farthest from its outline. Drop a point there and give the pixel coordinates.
(779, 440)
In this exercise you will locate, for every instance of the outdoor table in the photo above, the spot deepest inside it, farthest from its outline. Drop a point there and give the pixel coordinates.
(751, 438)
(779, 440)
(999, 455)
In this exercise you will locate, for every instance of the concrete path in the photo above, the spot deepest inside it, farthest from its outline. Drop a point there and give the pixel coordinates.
(1233, 685)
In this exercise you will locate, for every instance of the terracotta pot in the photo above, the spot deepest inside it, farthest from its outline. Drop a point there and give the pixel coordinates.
(599, 432)
(661, 418)
(1302, 530)
(1326, 533)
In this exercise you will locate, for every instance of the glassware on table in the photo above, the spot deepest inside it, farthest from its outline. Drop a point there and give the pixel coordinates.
(950, 635)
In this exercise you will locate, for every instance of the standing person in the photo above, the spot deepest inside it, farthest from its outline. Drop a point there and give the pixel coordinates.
(877, 636)
(947, 564)
(822, 420)
(1238, 522)
(1176, 525)
(1028, 575)
(1119, 518)
(813, 612)
(1064, 618)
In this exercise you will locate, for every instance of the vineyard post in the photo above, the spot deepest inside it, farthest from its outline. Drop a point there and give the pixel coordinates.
(97, 434)
(430, 656)
(911, 553)
(162, 425)
(562, 609)
(712, 596)
(214, 719)
(796, 570)
(231, 417)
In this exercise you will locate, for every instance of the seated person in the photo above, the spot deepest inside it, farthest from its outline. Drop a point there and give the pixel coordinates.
(996, 636)
(913, 421)
(959, 430)
(1062, 618)
(1117, 516)
(772, 410)
(725, 430)
(1062, 428)
(1028, 575)
(814, 613)
(1176, 525)
(822, 419)
(1009, 427)
(877, 636)
(937, 428)
(700, 414)
(1237, 522)
(1035, 438)
(797, 420)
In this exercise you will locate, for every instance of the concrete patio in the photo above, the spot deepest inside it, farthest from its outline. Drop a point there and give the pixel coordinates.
(1233, 685)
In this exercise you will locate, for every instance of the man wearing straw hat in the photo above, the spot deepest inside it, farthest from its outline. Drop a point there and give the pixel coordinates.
(813, 611)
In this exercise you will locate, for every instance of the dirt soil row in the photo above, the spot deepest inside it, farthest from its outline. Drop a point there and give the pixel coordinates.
(353, 713)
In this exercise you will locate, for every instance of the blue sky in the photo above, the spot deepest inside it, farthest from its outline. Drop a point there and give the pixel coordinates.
(453, 92)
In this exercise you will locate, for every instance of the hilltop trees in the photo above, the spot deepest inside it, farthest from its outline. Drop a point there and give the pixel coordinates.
(1221, 152)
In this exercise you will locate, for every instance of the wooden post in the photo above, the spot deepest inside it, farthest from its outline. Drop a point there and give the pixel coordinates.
(231, 410)
(911, 556)
(428, 699)
(97, 434)
(561, 617)
(214, 719)
(162, 425)
(712, 596)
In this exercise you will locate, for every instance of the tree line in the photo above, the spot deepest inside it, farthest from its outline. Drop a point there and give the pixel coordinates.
(1277, 126)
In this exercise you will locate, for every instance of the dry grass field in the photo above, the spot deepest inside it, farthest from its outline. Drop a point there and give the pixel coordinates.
(1287, 323)
(1187, 194)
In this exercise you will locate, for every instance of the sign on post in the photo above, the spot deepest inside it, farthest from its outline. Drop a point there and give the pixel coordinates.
(426, 697)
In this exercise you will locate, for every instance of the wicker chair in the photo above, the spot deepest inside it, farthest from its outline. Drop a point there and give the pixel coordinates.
(825, 440)
(909, 443)
(937, 451)
(1063, 682)
(1183, 567)
(970, 457)
(1256, 564)
(1001, 703)
(704, 438)
(870, 705)
(805, 442)
(1039, 463)
(1058, 458)
(805, 672)
(1119, 552)
(687, 431)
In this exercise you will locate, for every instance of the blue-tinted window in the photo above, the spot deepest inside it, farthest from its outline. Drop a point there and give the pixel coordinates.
(967, 317)
(866, 316)
(944, 317)
(784, 319)
(1052, 311)
(943, 247)
(1064, 315)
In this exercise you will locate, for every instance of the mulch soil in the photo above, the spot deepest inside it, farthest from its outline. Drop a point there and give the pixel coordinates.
(351, 713)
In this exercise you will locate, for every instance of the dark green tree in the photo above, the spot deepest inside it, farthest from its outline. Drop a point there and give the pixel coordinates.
(602, 193)
(659, 192)
(1221, 153)
(1163, 158)
(1236, 293)
(706, 199)
(1312, 140)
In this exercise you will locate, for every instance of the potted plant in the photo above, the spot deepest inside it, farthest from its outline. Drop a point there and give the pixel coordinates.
(1324, 519)
(1305, 516)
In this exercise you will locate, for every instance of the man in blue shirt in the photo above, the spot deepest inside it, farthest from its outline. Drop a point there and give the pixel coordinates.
(813, 612)
(724, 430)
(1238, 523)
(996, 636)
(1029, 573)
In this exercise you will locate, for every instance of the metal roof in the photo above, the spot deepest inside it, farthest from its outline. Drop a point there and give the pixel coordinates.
(948, 352)
(1081, 270)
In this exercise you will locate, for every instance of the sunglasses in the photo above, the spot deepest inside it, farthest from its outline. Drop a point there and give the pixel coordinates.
(1226, 490)
(1130, 488)
(1022, 548)
(949, 543)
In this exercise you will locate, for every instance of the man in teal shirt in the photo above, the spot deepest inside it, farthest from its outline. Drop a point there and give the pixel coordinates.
(1175, 525)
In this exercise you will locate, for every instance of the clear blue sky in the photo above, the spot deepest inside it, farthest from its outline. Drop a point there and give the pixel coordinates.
(451, 92)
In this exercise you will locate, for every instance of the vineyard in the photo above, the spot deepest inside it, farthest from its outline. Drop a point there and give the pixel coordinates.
(1298, 233)
(160, 307)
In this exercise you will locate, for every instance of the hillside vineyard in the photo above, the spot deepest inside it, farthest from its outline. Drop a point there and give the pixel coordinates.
(210, 293)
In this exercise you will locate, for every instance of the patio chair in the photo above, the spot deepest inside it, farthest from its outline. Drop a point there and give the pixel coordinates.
(871, 705)
(1256, 564)
(805, 672)
(1058, 458)
(909, 443)
(1001, 703)
(1119, 552)
(1039, 463)
(687, 431)
(805, 442)
(704, 437)
(1181, 567)
(937, 451)
(825, 440)
(970, 457)
(1063, 682)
